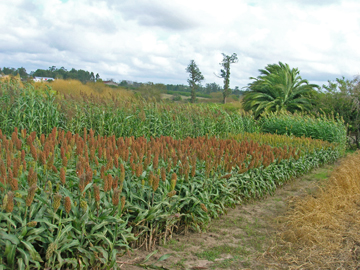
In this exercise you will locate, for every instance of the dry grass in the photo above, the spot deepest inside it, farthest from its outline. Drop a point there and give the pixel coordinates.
(77, 89)
(8, 78)
(321, 231)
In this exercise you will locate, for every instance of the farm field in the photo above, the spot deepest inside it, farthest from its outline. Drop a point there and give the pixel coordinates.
(101, 196)
(83, 181)
(244, 238)
(289, 230)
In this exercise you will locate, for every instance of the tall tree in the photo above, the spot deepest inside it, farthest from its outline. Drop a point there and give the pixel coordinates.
(225, 73)
(92, 77)
(22, 72)
(278, 88)
(195, 78)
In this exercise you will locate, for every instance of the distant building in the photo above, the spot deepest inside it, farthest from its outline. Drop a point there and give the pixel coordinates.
(43, 79)
(110, 83)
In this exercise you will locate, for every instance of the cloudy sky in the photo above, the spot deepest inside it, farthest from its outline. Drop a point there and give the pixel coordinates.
(154, 40)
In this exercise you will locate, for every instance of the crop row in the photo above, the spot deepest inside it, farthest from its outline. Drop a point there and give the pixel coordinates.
(75, 200)
(42, 109)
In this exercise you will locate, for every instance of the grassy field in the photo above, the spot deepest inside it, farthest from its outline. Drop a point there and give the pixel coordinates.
(88, 175)
(310, 223)
(246, 237)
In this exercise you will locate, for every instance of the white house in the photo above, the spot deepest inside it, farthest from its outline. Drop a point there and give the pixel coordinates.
(43, 79)
(110, 83)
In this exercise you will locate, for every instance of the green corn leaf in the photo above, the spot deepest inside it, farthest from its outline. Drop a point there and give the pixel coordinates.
(34, 254)
(100, 236)
(98, 227)
(6, 217)
(46, 221)
(25, 255)
(102, 251)
(164, 257)
(10, 252)
(20, 263)
(64, 232)
(65, 247)
(149, 256)
(23, 232)
(35, 231)
(12, 238)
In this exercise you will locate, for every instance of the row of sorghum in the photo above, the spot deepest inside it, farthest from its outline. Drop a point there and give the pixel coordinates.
(62, 156)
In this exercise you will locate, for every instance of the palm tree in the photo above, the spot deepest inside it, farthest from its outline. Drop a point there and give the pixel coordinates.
(278, 89)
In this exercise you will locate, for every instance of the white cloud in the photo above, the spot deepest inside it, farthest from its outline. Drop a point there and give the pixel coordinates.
(145, 40)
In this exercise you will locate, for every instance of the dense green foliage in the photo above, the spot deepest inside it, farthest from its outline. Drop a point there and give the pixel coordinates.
(323, 128)
(278, 89)
(74, 201)
(342, 97)
(40, 111)
(140, 171)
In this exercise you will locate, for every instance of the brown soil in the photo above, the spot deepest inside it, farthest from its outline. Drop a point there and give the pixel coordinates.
(239, 240)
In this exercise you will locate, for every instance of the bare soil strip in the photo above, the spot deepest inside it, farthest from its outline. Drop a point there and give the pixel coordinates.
(238, 240)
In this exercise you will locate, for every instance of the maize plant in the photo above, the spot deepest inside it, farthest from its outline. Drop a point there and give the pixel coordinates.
(40, 110)
(74, 200)
(331, 129)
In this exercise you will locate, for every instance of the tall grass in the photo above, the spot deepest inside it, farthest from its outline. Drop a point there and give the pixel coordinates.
(73, 106)
(325, 128)
(28, 108)
(76, 89)
(38, 108)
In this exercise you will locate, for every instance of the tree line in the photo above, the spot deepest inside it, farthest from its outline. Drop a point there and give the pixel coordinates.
(53, 72)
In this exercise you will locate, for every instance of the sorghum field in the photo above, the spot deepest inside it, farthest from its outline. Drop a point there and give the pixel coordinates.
(84, 182)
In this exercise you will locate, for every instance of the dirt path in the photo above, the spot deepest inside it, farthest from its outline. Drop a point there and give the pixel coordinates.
(236, 240)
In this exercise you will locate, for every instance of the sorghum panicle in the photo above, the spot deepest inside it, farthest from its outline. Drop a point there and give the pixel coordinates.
(122, 202)
(10, 202)
(115, 197)
(56, 202)
(67, 204)
(96, 193)
(30, 195)
(173, 181)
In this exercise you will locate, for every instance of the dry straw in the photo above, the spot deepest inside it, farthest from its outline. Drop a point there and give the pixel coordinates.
(323, 229)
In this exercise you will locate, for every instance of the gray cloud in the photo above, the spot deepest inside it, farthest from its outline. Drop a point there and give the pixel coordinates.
(166, 16)
(145, 40)
(317, 2)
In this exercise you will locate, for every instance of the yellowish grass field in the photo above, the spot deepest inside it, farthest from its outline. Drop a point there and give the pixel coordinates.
(324, 228)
